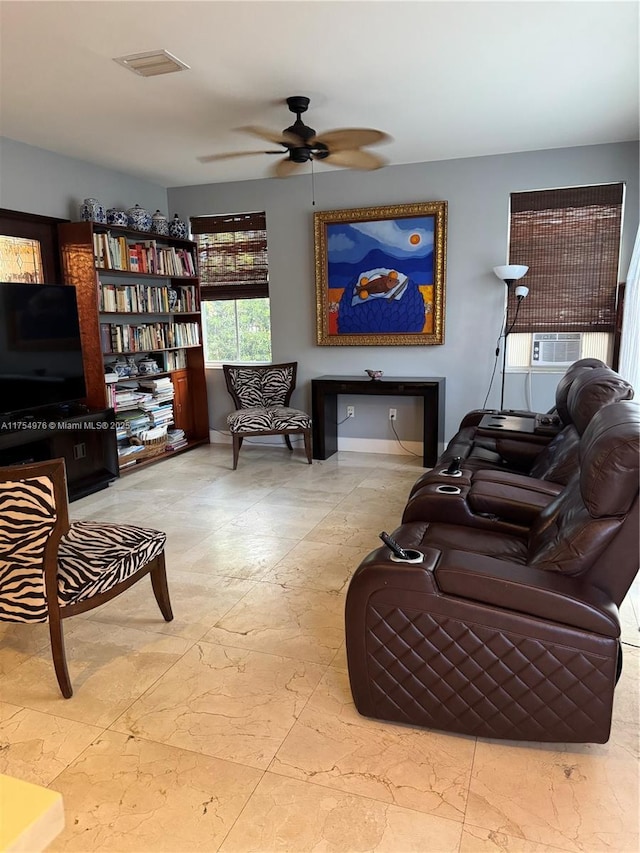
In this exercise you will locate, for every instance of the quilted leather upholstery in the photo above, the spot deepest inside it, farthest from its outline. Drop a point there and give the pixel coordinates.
(435, 670)
(507, 633)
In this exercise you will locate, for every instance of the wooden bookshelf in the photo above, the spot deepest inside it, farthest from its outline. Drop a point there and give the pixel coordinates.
(131, 289)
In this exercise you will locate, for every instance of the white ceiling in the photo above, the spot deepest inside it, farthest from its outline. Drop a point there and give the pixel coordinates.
(445, 79)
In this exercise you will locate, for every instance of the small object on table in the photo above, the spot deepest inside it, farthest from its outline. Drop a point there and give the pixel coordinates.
(374, 374)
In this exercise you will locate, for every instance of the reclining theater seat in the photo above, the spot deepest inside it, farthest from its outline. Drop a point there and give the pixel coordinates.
(484, 494)
(481, 451)
(584, 392)
(506, 636)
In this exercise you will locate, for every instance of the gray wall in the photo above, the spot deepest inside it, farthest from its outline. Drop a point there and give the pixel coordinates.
(477, 191)
(33, 180)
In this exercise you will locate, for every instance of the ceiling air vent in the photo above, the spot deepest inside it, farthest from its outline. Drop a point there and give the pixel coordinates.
(152, 63)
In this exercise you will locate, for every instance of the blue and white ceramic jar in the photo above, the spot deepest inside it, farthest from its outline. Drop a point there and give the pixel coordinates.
(117, 217)
(139, 218)
(159, 224)
(92, 211)
(178, 228)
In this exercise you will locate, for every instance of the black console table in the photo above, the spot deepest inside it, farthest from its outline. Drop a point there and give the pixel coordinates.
(324, 403)
(86, 440)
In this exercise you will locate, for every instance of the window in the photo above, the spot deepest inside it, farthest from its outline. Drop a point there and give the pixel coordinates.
(232, 255)
(20, 260)
(570, 240)
(29, 247)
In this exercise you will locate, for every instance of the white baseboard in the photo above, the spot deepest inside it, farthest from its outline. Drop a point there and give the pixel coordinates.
(357, 445)
(380, 445)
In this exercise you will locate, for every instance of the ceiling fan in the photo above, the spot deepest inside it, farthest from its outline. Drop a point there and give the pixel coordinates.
(341, 147)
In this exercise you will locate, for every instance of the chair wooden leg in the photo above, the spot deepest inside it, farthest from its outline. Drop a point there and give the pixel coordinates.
(160, 589)
(237, 444)
(59, 656)
(307, 445)
(287, 439)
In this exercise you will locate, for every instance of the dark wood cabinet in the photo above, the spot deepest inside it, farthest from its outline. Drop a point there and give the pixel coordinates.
(86, 441)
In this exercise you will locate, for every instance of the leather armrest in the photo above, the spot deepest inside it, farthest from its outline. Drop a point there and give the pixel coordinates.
(524, 481)
(508, 502)
(522, 589)
(378, 570)
(474, 417)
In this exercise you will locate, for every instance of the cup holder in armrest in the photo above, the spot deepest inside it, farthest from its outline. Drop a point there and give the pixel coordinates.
(413, 556)
(448, 490)
(446, 473)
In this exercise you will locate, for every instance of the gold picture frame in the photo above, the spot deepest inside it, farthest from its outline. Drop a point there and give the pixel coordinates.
(380, 275)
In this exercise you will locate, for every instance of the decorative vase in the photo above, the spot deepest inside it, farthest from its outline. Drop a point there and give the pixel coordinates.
(178, 228)
(148, 366)
(159, 224)
(115, 216)
(92, 211)
(139, 218)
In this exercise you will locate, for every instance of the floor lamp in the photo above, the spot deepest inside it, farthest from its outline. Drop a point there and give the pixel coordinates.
(510, 273)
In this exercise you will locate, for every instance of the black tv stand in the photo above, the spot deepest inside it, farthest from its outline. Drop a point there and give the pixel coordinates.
(86, 440)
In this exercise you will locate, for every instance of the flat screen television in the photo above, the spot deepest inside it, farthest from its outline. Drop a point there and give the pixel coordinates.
(40, 349)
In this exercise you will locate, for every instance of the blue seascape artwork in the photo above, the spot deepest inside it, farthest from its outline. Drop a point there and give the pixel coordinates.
(380, 276)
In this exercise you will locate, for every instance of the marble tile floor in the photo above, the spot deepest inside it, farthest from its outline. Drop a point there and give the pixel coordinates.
(232, 728)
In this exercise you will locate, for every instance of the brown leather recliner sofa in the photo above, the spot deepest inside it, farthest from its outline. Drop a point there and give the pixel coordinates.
(485, 439)
(507, 633)
(483, 497)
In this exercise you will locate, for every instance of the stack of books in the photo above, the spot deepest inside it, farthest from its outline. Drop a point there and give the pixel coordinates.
(159, 413)
(127, 398)
(158, 404)
(160, 388)
(175, 439)
(131, 423)
(128, 453)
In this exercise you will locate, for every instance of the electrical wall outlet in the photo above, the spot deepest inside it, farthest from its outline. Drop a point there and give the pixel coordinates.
(351, 411)
(392, 414)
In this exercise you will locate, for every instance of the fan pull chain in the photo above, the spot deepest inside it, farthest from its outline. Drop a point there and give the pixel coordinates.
(313, 186)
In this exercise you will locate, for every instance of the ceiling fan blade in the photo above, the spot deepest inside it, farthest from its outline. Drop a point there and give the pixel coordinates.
(355, 159)
(345, 138)
(286, 139)
(285, 168)
(210, 158)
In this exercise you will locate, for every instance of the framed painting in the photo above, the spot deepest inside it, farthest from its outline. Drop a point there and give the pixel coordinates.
(380, 275)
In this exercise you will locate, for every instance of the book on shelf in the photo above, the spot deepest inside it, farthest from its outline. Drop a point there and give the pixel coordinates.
(176, 438)
(115, 252)
(162, 383)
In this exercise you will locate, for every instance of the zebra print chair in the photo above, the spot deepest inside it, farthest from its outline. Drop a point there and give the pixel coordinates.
(51, 569)
(261, 394)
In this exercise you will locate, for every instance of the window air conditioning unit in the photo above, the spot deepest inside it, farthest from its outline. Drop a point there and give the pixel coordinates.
(555, 349)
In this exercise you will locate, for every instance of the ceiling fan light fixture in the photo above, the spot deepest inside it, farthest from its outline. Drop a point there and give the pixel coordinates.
(152, 63)
(341, 147)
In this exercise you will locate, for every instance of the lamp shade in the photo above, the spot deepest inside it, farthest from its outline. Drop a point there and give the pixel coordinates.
(521, 291)
(510, 272)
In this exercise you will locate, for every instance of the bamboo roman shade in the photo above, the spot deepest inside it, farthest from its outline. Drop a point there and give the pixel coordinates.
(232, 255)
(570, 240)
